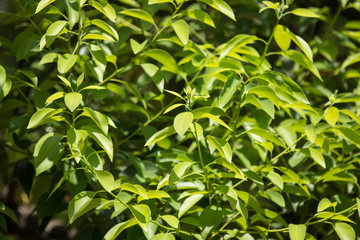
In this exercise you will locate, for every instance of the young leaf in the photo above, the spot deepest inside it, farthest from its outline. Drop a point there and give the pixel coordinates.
(140, 14)
(303, 12)
(222, 146)
(317, 157)
(5, 84)
(344, 231)
(55, 96)
(181, 29)
(141, 212)
(156, 75)
(282, 38)
(276, 179)
(103, 140)
(72, 100)
(324, 204)
(137, 47)
(163, 57)
(105, 8)
(48, 150)
(182, 122)
(106, 179)
(221, 6)
(78, 205)
(171, 220)
(43, 4)
(200, 16)
(106, 27)
(349, 134)
(66, 62)
(267, 135)
(332, 116)
(297, 232)
(172, 107)
(276, 197)
(178, 171)
(98, 118)
(118, 228)
(160, 135)
(41, 117)
(98, 56)
(188, 203)
(229, 89)
(351, 59)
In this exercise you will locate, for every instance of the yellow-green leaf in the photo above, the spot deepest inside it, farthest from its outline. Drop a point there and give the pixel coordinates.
(303, 12)
(297, 232)
(181, 29)
(73, 100)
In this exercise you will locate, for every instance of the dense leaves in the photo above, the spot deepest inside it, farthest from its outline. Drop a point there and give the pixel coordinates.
(159, 119)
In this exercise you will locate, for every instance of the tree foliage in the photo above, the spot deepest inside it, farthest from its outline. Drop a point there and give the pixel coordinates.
(204, 119)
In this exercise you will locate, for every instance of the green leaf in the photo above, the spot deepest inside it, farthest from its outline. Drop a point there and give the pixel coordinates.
(66, 62)
(231, 166)
(182, 122)
(141, 212)
(52, 32)
(5, 84)
(182, 30)
(105, 8)
(210, 219)
(54, 97)
(118, 228)
(197, 130)
(159, 1)
(172, 107)
(135, 188)
(178, 171)
(229, 89)
(349, 134)
(276, 179)
(303, 12)
(171, 220)
(48, 150)
(49, 58)
(310, 133)
(303, 61)
(221, 6)
(103, 140)
(106, 179)
(106, 27)
(200, 16)
(160, 135)
(315, 155)
(351, 59)
(163, 57)
(80, 204)
(72, 100)
(98, 118)
(297, 232)
(8, 212)
(325, 204)
(358, 205)
(266, 135)
(188, 203)
(264, 104)
(351, 114)
(282, 38)
(137, 47)
(221, 145)
(156, 75)
(98, 56)
(43, 4)
(140, 14)
(344, 231)
(276, 197)
(163, 236)
(332, 116)
(42, 116)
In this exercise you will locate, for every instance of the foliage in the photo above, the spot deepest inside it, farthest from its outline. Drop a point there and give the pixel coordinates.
(177, 119)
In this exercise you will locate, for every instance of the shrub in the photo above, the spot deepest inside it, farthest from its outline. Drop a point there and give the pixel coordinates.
(167, 119)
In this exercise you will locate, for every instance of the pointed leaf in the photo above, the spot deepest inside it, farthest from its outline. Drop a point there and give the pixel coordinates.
(105, 8)
(163, 57)
(303, 12)
(160, 135)
(222, 146)
(43, 4)
(66, 62)
(221, 6)
(106, 27)
(5, 84)
(98, 118)
(188, 203)
(297, 232)
(118, 228)
(141, 212)
(73, 100)
(137, 47)
(41, 116)
(349, 134)
(171, 220)
(78, 205)
(229, 89)
(140, 14)
(199, 15)
(344, 231)
(182, 30)
(182, 122)
(106, 179)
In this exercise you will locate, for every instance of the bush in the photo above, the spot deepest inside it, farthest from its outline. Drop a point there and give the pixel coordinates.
(168, 119)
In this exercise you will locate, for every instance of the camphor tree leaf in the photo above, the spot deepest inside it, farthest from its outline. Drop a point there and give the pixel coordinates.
(160, 135)
(325, 204)
(48, 150)
(303, 12)
(199, 15)
(98, 56)
(282, 38)
(79, 204)
(5, 84)
(229, 89)
(221, 6)
(106, 179)
(178, 171)
(221, 145)
(66, 62)
(188, 203)
(118, 228)
(98, 118)
(105, 8)
(182, 122)
(276, 197)
(142, 213)
(72, 100)
(171, 220)
(316, 155)
(103, 140)
(297, 232)
(349, 134)
(42, 116)
(137, 47)
(276, 179)
(106, 27)
(51, 33)
(140, 14)
(344, 231)
(182, 30)
(351, 59)
(332, 116)
(8, 212)
(163, 57)
(43, 4)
